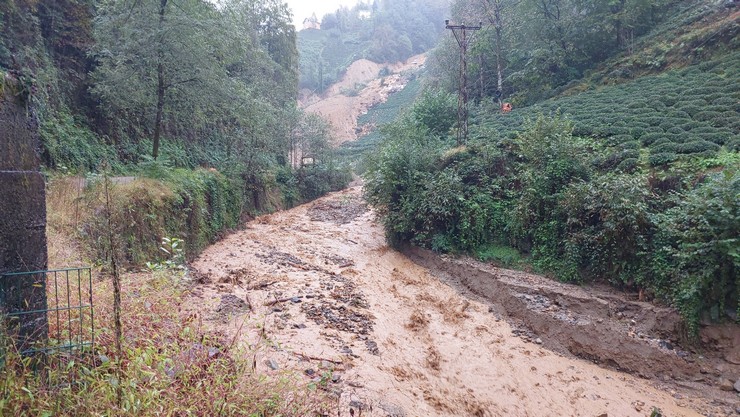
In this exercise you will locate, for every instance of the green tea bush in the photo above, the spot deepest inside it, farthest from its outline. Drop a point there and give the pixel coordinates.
(628, 165)
(661, 159)
(696, 147)
(651, 138)
(669, 147)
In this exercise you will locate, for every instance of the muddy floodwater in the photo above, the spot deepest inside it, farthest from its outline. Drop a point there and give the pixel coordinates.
(415, 334)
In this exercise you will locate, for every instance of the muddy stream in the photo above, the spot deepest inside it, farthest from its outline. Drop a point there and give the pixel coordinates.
(416, 334)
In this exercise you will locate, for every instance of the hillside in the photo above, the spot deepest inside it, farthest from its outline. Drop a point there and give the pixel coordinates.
(627, 174)
(364, 85)
(382, 32)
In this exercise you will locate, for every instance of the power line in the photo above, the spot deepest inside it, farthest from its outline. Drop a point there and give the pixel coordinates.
(461, 34)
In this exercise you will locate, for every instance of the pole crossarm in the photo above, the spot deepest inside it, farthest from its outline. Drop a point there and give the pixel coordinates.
(461, 35)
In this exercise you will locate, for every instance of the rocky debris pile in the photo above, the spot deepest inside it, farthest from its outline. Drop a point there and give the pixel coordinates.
(340, 211)
(231, 306)
(338, 317)
(275, 257)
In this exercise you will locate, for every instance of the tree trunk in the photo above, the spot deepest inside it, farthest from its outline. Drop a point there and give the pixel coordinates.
(160, 86)
(499, 58)
(493, 9)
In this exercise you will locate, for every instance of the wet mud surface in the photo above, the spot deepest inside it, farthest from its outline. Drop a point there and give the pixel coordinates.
(318, 294)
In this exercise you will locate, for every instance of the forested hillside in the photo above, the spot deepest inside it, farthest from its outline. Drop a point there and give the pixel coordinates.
(619, 162)
(148, 85)
(383, 31)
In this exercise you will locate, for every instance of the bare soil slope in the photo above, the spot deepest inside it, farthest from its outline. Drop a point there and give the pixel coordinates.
(389, 337)
(359, 89)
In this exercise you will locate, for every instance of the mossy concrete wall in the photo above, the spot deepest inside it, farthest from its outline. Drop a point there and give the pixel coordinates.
(22, 216)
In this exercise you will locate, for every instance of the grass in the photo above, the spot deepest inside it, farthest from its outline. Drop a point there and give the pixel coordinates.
(173, 363)
(500, 255)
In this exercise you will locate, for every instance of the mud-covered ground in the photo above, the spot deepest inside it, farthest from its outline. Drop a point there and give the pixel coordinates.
(319, 294)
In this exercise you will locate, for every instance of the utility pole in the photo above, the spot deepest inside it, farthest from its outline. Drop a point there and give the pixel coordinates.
(461, 34)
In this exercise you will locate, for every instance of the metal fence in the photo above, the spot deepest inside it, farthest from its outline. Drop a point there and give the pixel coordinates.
(69, 315)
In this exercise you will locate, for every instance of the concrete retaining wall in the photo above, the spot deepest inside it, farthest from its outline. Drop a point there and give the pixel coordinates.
(22, 216)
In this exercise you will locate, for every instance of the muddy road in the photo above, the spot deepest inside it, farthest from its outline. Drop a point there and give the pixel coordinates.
(319, 295)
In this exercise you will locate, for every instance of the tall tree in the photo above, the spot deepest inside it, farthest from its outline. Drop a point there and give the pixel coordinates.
(160, 62)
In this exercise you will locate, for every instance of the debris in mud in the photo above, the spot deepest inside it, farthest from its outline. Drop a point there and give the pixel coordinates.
(236, 276)
(280, 258)
(392, 410)
(340, 261)
(558, 309)
(340, 211)
(338, 317)
(372, 347)
(230, 306)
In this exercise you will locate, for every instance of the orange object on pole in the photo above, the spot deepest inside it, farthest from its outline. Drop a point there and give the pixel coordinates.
(506, 107)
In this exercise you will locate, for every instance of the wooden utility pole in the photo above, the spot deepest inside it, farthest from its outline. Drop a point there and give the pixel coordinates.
(461, 34)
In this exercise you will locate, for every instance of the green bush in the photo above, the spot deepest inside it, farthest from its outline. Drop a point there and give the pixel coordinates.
(609, 225)
(697, 147)
(661, 159)
(628, 165)
(70, 146)
(435, 111)
(700, 241)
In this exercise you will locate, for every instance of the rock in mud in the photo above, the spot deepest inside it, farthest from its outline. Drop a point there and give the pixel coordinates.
(726, 385)
(232, 305)
(737, 385)
(272, 364)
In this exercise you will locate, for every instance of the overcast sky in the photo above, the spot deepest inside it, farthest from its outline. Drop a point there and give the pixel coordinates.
(303, 8)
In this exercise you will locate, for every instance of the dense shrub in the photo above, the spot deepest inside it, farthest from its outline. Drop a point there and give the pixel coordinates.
(697, 147)
(662, 159)
(70, 146)
(700, 240)
(609, 226)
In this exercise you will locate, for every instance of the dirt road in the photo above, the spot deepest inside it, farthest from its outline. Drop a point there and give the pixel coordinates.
(340, 308)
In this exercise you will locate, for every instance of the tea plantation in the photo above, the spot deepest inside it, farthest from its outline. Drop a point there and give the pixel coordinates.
(652, 121)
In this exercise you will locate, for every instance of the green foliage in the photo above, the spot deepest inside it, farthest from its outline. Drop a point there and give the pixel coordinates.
(583, 210)
(315, 180)
(435, 111)
(197, 205)
(396, 172)
(71, 146)
(608, 226)
(702, 248)
(501, 255)
(175, 255)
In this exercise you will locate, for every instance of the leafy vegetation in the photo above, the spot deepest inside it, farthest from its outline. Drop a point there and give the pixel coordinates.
(532, 50)
(561, 199)
(125, 84)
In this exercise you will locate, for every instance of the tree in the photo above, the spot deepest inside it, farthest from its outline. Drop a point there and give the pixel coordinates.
(160, 62)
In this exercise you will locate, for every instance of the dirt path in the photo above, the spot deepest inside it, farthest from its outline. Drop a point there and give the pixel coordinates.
(389, 337)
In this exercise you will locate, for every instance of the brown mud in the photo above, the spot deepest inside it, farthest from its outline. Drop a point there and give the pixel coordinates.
(320, 296)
